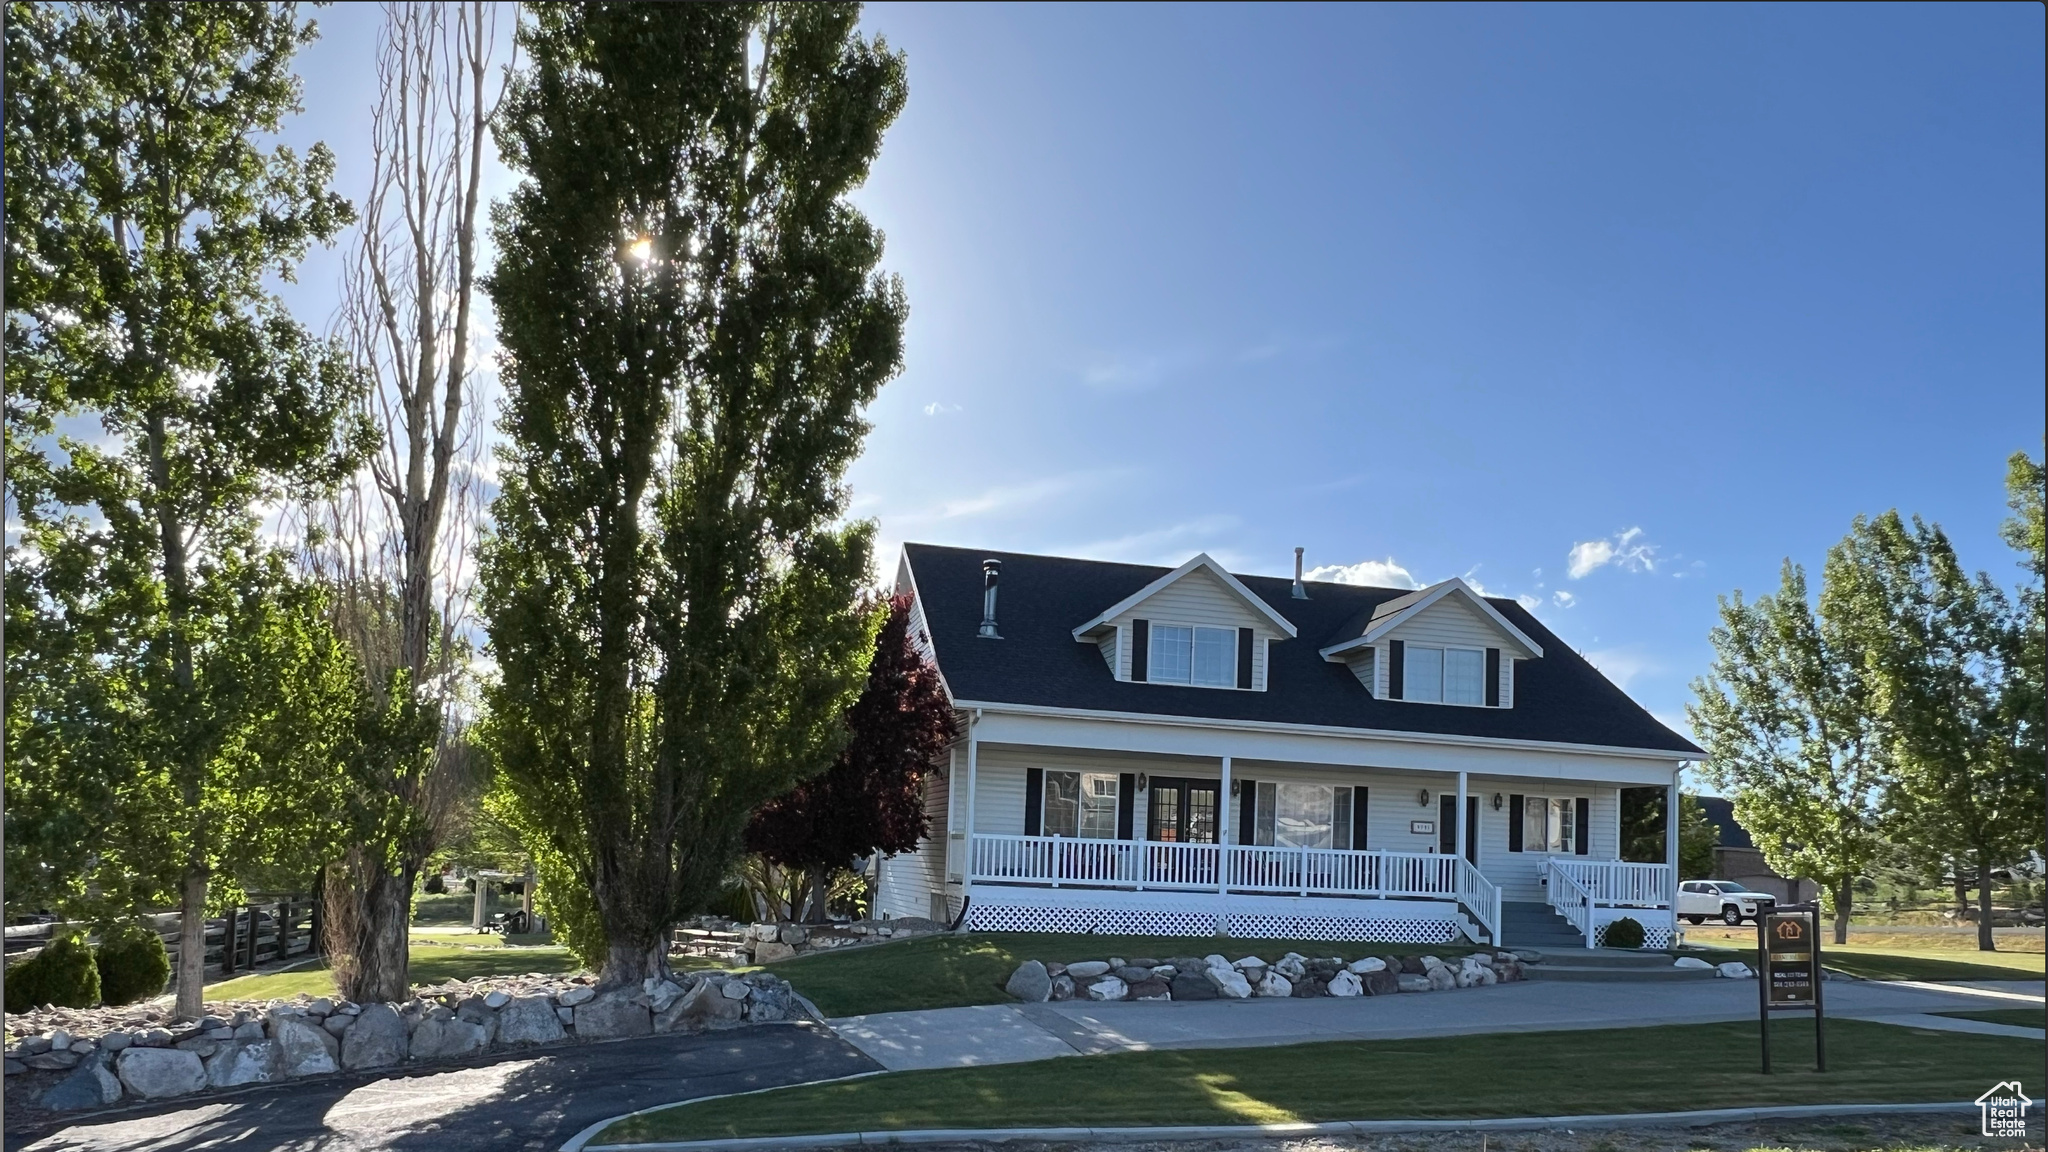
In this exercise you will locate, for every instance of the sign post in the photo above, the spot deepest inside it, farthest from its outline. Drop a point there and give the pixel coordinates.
(1788, 951)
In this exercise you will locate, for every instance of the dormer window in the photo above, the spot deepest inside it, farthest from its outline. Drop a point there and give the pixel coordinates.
(1446, 675)
(1185, 654)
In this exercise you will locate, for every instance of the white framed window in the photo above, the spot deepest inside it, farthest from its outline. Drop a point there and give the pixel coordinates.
(1192, 654)
(1549, 824)
(1080, 804)
(1444, 675)
(1302, 816)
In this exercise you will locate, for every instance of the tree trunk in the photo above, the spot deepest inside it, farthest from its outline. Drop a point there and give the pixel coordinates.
(192, 943)
(1985, 941)
(1962, 893)
(630, 962)
(1843, 892)
(821, 893)
(382, 972)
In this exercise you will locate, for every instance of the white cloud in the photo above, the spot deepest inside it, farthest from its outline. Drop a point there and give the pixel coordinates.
(1623, 551)
(1372, 573)
(937, 408)
(1003, 498)
(1529, 603)
(1171, 545)
(1563, 599)
(1621, 665)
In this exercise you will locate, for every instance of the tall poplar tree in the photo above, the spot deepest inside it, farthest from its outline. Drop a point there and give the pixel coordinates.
(159, 397)
(692, 319)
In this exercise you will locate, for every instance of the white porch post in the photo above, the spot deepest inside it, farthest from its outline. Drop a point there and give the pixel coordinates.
(1459, 819)
(973, 761)
(1671, 850)
(1223, 807)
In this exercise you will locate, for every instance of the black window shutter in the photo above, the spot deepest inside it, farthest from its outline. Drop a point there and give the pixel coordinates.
(1358, 814)
(1247, 809)
(1126, 803)
(1141, 641)
(1397, 667)
(1034, 800)
(1244, 658)
(1584, 835)
(1493, 677)
(1515, 819)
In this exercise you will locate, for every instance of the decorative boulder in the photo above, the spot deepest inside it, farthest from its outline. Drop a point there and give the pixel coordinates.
(440, 1039)
(475, 1011)
(1735, 970)
(91, 1085)
(1413, 966)
(1088, 969)
(660, 994)
(1382, 982)
(791, 935)
(157, 1073)
(376, 1039)
(1441, 979)
(1230, 984)
(1369, 964)
(1408, 982)
(1133, 973)
(703, 1007)
(1274, 984)
(1062, 987)
(1153, 989)
(1528, 955)
(578, 995)
(1293, 966)
(1030, 983)
(1055, 969)
(243, 1062)
(303, 1047)
(1346, 984)
(1308, 988)
(620, 1012)
(1690, 962)
(1192, 984)
(1108, 988)
(770, 951)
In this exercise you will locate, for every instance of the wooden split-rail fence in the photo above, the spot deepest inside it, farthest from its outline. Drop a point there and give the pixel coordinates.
(259, 934)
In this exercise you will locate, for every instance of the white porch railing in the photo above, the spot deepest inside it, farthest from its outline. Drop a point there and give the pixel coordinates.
(1571, 899)
(1617, 882)
(1144, 864)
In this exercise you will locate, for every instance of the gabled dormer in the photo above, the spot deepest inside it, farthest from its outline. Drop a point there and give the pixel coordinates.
(1197, 626)
(1443, 644)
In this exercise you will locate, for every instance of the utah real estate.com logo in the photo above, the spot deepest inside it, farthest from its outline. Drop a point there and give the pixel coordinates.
(2005, 1109)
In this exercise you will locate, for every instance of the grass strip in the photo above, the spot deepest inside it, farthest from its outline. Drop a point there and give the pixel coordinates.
(956, 971)
(431, 963)
(1902, 964)
(2019, 1017)
(1501, 1074)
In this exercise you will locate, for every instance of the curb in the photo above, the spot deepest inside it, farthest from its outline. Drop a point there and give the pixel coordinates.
(579, 1143)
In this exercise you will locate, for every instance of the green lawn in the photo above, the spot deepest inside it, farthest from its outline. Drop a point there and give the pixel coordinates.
(1499, 1074)
(2023, 1017)
(433, 962)
(949, 971)
(1910, 964)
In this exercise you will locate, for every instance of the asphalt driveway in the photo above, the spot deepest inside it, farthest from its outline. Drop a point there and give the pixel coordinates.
(528, 1102)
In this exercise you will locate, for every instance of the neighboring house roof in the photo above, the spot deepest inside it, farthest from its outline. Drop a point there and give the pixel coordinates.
(1042, 599)
(1721, 811)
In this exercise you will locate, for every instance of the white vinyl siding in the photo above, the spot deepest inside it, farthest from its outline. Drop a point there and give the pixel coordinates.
(1199, 599)
(1453, 623)
(1364, 664)
(1109, 644)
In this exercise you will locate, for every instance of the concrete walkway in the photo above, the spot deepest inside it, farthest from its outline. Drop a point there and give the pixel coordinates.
(1000, 1034)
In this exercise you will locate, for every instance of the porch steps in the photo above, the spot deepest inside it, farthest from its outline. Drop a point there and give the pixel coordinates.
(1611, 965)
(1528, 924)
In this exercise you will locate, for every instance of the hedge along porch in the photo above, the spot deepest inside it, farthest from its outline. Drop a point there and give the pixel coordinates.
(1238, 806)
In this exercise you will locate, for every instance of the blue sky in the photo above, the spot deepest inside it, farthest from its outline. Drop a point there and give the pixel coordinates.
(1673, 292)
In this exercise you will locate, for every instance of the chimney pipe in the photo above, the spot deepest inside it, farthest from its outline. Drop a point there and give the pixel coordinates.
(991, 571)
(1300, 593)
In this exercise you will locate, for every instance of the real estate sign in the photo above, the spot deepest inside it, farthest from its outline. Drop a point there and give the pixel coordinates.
(1788, 956)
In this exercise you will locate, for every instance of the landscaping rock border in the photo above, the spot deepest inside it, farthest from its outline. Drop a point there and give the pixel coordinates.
(142, 1053)
(766, 943)
(1214, 977)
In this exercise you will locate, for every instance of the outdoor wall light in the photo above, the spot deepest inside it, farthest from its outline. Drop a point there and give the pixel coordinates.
(1236, 786)
(1422, 798)
(1143, 782)
(1497, 802)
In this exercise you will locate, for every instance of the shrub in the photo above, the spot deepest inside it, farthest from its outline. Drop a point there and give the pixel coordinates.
(1624, 933)
(63, 973)
(133, 964)
(435, 885)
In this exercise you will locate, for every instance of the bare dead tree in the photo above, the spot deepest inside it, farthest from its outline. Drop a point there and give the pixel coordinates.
(397, 544)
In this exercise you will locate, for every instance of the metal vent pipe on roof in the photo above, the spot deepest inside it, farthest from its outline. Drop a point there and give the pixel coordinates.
(1300, 592)
(991, 571)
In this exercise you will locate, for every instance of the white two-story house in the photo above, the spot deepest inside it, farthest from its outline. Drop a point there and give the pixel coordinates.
(1190, 751)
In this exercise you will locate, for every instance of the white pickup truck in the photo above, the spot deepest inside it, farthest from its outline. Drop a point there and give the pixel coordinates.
(1724, 900)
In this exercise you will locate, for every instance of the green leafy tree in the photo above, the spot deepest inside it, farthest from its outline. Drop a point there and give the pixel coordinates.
(1943, 657)
(1642, 831)
(1791, 737)
(692, 320)
(159, 397)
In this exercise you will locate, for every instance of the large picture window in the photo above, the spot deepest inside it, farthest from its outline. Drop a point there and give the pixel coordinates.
(1445, 675)
(1549, 825)
(1188, 654)
(1081, 805)
(1302, 816)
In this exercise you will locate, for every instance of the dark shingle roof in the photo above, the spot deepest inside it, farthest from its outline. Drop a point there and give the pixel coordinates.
(1559, 698)
(1720, 811)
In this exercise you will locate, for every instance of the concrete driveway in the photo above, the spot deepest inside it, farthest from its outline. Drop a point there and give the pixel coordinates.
(533, 1102)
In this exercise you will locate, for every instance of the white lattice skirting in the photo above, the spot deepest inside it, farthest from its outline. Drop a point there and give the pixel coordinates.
(1297, 927)
(1656, 935)
(1179, 914)
(1104, 921)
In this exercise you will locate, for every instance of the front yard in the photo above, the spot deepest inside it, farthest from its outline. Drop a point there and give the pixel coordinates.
(1878, 955)
(1501, 1074)
(433, 962)
(955, 971)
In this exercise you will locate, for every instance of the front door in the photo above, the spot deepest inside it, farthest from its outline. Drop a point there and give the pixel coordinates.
(1447, 829)
(1182, 811)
